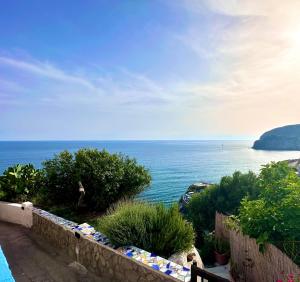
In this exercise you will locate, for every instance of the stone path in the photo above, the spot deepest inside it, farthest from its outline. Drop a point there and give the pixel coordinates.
(222, 270)
(32, 259)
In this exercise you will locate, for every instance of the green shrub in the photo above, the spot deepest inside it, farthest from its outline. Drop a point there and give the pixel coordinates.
(60, 180)
(20, 183)
(274, 216)
(272, 174)
(106, 178)
(224, 197)
(154, 228)
(109, 177)
(221, 246)
(207, 249)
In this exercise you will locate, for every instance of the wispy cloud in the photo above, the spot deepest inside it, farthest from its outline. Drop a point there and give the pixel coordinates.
(256, 60)
(46, 70)
(121, 87)
(54, 102)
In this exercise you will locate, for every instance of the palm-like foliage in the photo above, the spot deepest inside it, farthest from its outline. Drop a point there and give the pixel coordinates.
(19, 183)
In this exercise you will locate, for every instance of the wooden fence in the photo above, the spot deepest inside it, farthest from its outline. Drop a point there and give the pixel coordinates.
(248, 262)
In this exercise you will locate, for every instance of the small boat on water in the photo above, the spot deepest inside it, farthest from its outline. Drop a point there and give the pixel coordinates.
(194, 188)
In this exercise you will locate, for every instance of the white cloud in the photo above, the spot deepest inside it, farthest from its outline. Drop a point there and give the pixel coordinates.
(45, 69)
(122, 87)
(257, 63)
(43, 101)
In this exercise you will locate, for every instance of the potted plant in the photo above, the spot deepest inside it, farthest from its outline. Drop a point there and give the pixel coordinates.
(222, 250)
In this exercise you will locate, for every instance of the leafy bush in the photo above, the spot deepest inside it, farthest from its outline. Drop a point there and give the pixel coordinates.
(210, 245)
(208, 248)
(272, 174)
(109, 177)
(274, 216)
(19, 183)
(105, 177)
(154, 228)
(224, 197)
(60, 181)
(221, 246)
(267, 206)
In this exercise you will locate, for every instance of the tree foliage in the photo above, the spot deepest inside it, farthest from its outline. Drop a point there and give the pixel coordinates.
(20, 183)
(224, 197)
(267, 206)
(106, 178)
(60, 183)
(275, 215)
(109, 177)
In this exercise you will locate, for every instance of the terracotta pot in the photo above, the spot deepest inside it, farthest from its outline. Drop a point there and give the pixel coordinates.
(221, 258)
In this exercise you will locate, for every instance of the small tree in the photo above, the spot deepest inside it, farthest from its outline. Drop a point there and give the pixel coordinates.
(106, 178)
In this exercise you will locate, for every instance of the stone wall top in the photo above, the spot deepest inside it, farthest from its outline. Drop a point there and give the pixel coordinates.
(99, 256)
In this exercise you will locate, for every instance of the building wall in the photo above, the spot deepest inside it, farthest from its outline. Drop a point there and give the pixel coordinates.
(16, 213)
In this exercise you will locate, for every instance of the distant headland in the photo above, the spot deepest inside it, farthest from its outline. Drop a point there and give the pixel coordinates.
(280, 138)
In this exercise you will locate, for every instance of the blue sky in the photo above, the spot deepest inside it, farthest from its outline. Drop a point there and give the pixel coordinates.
(147, 69)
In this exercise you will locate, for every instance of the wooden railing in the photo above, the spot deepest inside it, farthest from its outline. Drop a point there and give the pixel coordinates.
(208, 276)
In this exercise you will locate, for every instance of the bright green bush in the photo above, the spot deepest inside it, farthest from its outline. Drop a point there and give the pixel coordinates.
(20, 183)
(224, 197)
(154, 228)
(106, 178)
(275, 215)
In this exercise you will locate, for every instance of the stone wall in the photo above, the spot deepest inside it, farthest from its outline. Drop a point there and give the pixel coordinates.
(99, 259)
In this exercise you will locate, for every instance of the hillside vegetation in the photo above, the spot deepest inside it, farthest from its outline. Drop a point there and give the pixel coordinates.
(264, 206)
(281, 138)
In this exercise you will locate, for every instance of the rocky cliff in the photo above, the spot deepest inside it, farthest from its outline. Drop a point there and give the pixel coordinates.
(295, 164)
(281, 138)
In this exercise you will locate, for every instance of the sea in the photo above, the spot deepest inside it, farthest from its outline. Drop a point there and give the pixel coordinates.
(174, 165)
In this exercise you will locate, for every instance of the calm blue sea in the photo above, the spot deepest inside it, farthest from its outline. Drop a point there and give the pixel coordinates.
(174, 165)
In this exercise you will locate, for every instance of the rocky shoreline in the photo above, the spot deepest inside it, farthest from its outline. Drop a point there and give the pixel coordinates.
(192, 189)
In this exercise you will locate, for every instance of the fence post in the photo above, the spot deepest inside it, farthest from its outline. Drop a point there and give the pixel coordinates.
(194, 272)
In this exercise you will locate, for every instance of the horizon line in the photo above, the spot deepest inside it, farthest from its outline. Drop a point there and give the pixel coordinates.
(132, 140)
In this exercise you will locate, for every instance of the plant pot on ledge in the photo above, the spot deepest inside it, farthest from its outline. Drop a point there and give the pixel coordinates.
(221, 259)
(222, 251)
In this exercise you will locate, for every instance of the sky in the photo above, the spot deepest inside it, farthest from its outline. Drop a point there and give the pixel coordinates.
(148, 69)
